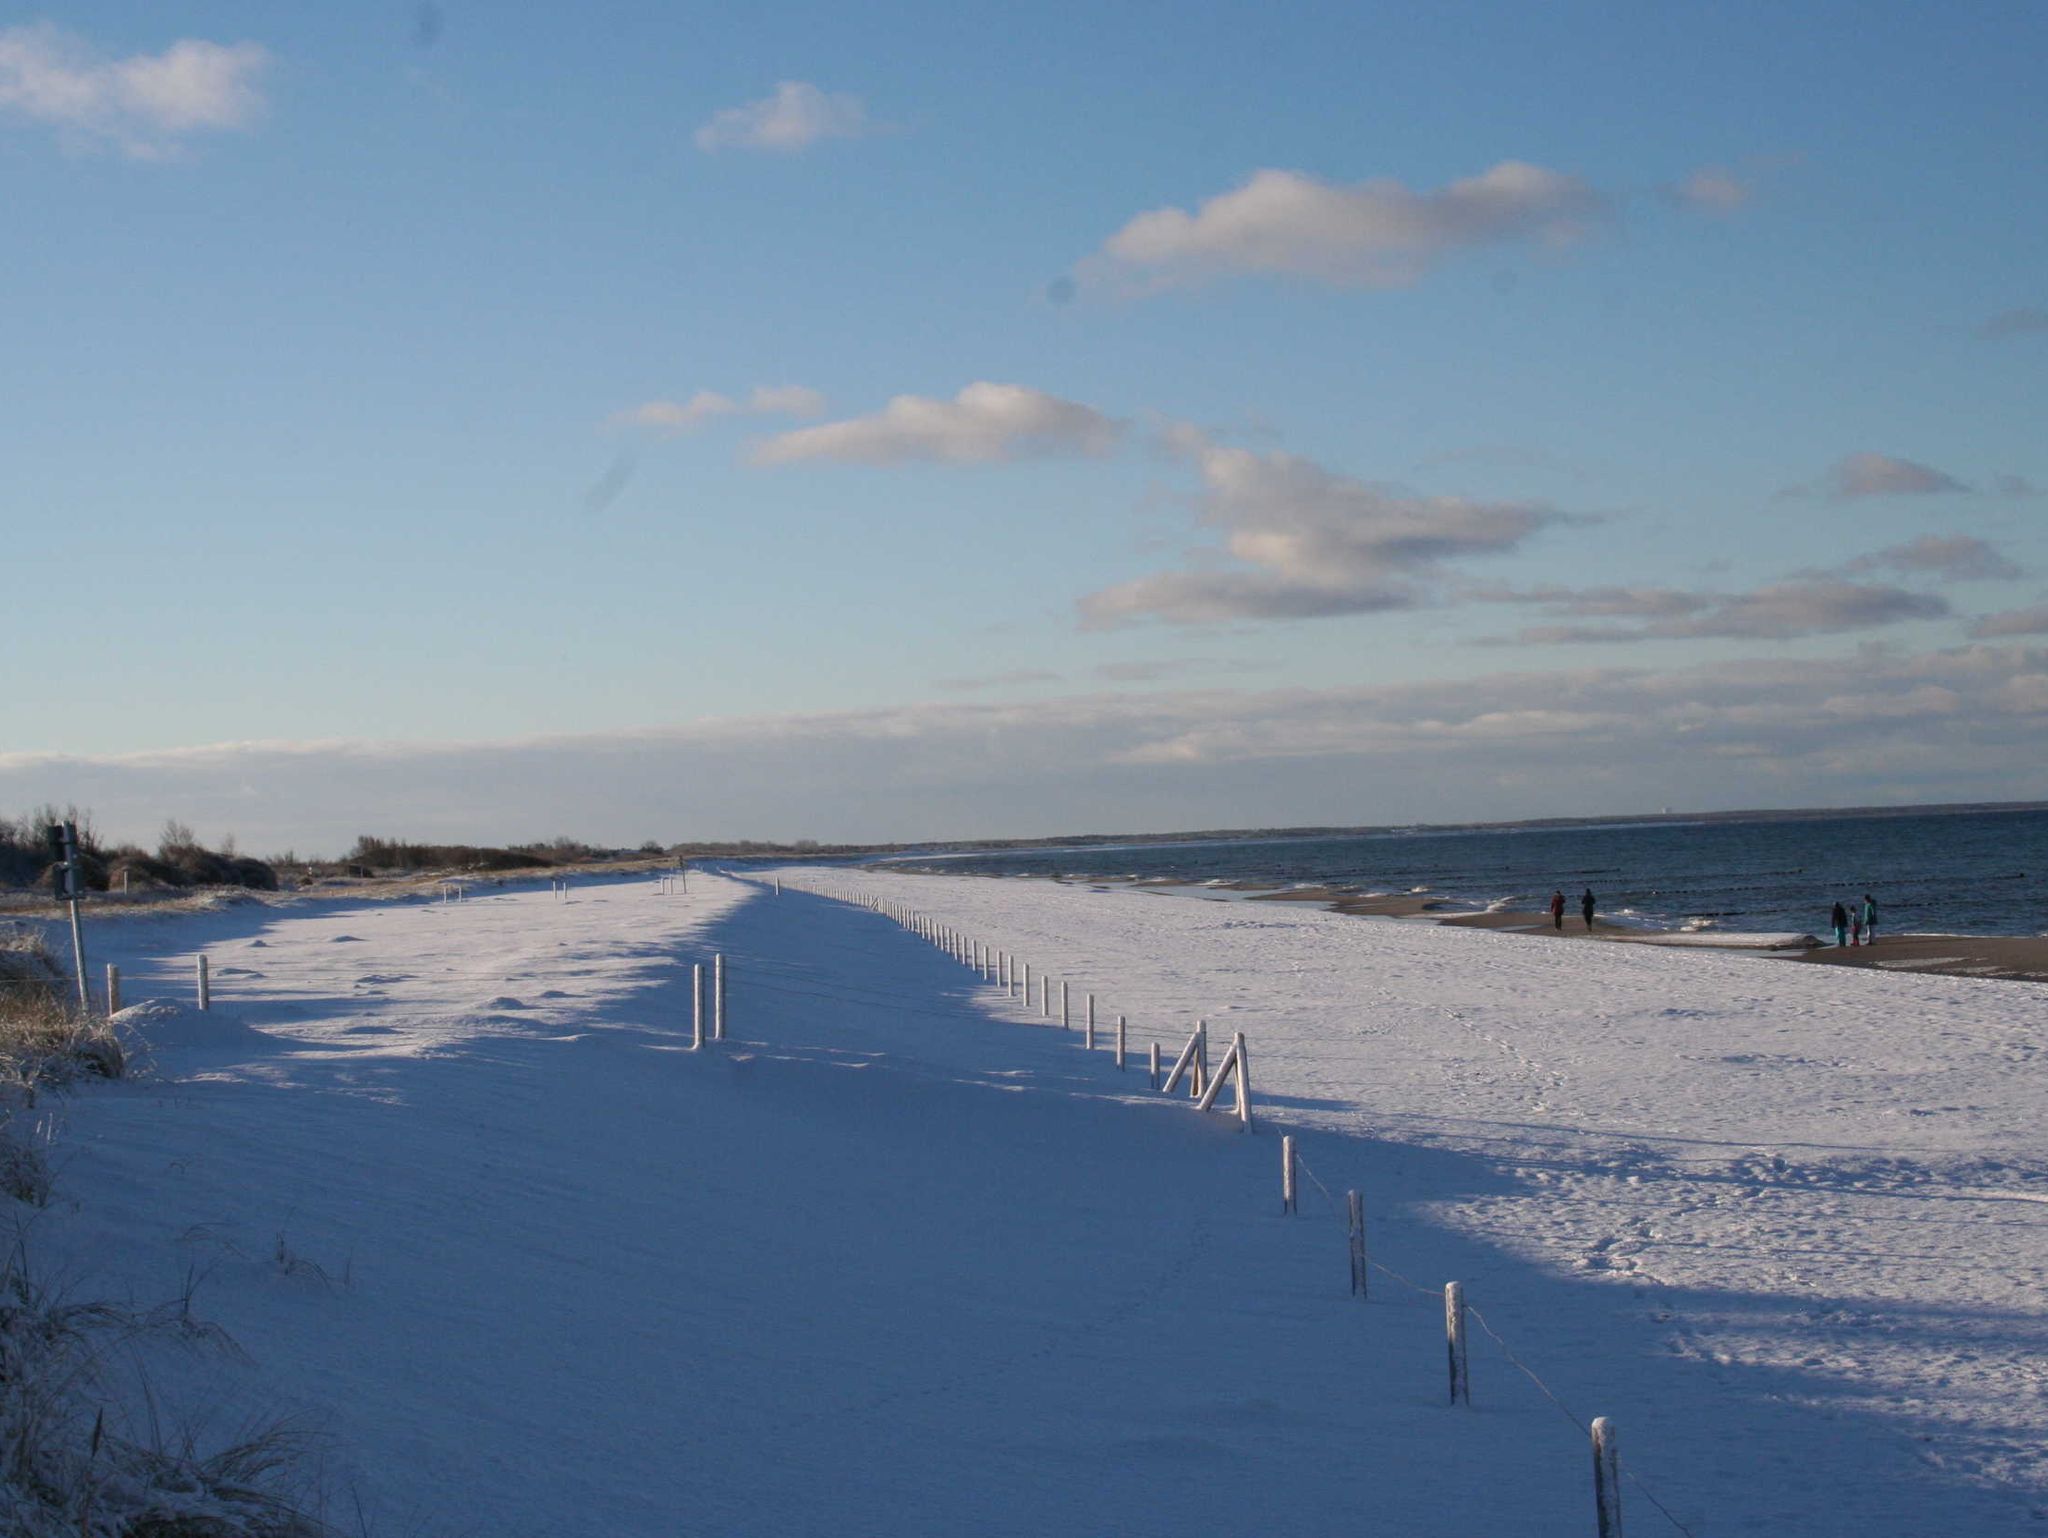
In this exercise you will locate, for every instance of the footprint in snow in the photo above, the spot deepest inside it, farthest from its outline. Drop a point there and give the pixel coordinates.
(506, 1001)
(345, 940)
(257, 945)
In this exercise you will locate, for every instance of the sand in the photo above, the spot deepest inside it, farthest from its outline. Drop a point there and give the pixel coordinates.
(2012, 958)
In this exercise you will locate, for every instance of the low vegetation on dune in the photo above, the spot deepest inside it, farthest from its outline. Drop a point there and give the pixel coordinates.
(179, 862)
(84, 1451)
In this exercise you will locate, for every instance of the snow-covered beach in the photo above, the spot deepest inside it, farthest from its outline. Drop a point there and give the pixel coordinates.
(900, 1257)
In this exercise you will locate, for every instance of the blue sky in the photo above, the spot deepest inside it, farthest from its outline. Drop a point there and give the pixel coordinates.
(1427, 374)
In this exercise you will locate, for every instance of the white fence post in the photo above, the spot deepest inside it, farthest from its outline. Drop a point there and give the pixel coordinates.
(696, 1006)
(1120, 1043)
(1454, 1341)
(1243, 1056)
(1232, 1068)
(1155, 1065)
(718, 997)
(1354, 1203)
(1088, 1040)
(1198, 1084)
(1066, 1020)
(1606, 1478)
(1287, 1162)
(205, 990)
(113, 989)
(1189, 1056)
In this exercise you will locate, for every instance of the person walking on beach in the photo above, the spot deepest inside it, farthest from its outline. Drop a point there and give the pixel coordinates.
(1557, 909)
(1855, 927)
(1586, 908)
(1840, 919)
(1869, 919)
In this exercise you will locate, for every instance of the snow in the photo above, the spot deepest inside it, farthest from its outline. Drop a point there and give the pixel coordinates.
(1745, 940)
(900, 1258)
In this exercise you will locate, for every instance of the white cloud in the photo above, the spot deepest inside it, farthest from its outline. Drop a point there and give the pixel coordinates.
(1309, 543)
(1962, 557)
(671, 417)
(142, 105)
(2012, 622)
(2011, 323)
(1777, 611)
(1370, 234)
(1878, 475)
(1963, 724)
(1713, 190)
(981, 683)
(794, 116)
(983, 423)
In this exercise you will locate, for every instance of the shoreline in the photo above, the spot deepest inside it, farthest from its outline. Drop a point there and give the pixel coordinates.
(1997, 958)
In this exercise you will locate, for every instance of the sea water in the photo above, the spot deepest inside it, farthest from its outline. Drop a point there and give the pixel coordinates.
(1962, 872)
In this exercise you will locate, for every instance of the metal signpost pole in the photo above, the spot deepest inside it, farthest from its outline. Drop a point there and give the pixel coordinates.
(71, 887)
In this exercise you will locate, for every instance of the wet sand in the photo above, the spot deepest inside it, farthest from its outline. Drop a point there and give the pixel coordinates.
(2014, 958)
(2020, 958)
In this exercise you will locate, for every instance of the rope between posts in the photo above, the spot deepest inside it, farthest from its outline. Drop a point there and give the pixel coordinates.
(1435, 1295)
(1432, 1295)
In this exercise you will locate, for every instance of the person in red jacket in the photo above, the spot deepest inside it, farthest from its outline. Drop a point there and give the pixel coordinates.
(1557, 909)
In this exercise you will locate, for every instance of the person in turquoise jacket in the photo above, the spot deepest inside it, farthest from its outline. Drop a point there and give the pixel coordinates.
(1869, 919)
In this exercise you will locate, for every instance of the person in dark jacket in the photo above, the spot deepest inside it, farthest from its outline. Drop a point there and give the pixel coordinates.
(1840, 919)
(1586, 908)
(1557, 909)
(1869, 919)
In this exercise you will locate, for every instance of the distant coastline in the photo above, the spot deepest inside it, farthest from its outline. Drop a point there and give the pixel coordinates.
(883, 854)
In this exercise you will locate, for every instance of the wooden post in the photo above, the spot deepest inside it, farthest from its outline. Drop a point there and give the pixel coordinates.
(697, 1006)
(1606, 1478)
(205, 991)
(1288, 1194)
(1198, 1082)
(1155, 1065)
(1066, 1019)
(1224, 1070)
(1027, 983)
(1454, 1342)
(1186, 1061)
(1088, 1040)
(718, 997)
(1354, 1203)
(113, 990)
(1242, 1054)
(1120, 1043)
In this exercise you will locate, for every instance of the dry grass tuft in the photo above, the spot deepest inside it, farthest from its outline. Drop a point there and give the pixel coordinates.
(72, 1463)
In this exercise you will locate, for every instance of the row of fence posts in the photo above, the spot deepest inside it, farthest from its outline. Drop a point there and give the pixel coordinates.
(1003, 970)
(1007, 972)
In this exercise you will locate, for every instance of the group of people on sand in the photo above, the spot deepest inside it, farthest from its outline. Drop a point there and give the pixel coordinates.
(1855, 925)
(1586, 907)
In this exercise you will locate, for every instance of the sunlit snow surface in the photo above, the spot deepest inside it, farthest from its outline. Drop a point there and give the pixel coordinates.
(902, 1259)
